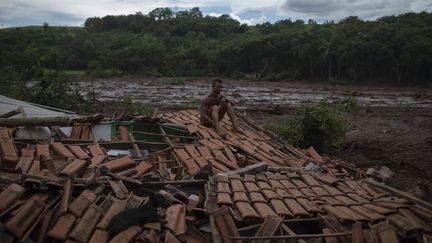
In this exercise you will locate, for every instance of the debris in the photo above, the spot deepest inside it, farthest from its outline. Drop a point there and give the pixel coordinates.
(184, 182)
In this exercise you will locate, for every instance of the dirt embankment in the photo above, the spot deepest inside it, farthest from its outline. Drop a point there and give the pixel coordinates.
(392, 125)
(397, 137)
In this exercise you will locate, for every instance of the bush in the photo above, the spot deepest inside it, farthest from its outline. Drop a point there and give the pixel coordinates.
(56, 89)
(347, 104)
(12, 84)
(334, 81)
(319, 125)
(130, 106)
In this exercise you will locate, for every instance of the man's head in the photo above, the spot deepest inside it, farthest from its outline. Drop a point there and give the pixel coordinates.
(217, 86)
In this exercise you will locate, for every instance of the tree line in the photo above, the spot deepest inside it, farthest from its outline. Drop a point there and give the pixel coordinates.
(187, 43)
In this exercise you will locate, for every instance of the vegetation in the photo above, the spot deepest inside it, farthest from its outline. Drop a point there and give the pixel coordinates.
(320, 125)
(186, 43)
(174, 81)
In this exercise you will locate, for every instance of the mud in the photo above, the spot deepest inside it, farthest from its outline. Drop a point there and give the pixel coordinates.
(248, 93)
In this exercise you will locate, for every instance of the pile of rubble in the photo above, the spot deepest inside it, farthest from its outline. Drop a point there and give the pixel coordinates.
(170, 179)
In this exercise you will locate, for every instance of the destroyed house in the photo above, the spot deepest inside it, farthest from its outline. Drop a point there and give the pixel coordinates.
(167, 178)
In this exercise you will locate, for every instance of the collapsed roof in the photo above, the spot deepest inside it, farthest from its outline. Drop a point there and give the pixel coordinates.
(244, 186)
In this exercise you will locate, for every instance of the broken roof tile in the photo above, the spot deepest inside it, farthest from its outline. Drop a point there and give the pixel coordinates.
(119, 164)
(176, 219)
(10, 195)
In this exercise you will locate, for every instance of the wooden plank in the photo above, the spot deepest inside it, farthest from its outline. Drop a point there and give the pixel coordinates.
(268, 228)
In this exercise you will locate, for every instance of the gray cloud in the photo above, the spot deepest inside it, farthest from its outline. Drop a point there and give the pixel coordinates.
(337, 9)
(74, 12)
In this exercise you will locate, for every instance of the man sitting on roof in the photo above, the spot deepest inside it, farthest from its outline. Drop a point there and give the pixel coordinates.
(214, 107)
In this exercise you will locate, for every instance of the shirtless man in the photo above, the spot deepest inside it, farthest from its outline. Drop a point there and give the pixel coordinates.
(214, 107)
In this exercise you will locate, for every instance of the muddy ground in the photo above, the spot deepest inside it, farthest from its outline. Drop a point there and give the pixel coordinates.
(391, 126)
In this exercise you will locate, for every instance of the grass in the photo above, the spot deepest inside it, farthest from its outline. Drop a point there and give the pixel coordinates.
(174, 81)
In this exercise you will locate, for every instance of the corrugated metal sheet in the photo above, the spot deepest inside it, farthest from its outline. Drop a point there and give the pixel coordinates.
(32, 110)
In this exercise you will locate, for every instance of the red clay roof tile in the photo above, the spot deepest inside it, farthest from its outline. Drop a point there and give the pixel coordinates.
(127, 235)
(257, 197)
(10, 195)
(62, 227)
(8, 150)
(25, 217)
(280, 208)
(295, 193)
(192, 151)
(116, 207)
(95, 149)
(74, 167)
(143, 168)
(378, 209)
(176, 219)
(60, 149)
(224, 198)
(42, 150)
(84, 229)
(263, 209)
(385, 233)
(346, 200)
(246, 210)
(264, 185)
(251, 187)
(308, 205)
(269, 194)
(81, 203)
(240, 197)
(223, 187)
(78, 152)
(99, 236)
(119, 164)
(371, 215)
(295, 207)
(308, 192)
(237, 186)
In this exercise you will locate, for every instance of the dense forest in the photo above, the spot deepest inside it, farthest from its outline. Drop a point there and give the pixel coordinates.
(186, 43)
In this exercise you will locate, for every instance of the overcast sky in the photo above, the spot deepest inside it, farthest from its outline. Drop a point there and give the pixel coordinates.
(74, 12)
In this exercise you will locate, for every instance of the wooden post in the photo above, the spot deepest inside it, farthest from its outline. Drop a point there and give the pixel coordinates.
(35, 121)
